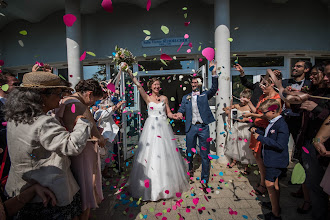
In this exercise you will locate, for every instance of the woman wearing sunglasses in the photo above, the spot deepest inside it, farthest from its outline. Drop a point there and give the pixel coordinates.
(267, 87)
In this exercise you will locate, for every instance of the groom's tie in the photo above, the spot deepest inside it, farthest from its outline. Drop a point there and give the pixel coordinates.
(196, 93)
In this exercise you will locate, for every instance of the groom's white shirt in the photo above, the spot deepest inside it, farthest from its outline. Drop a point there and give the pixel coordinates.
(196, 117)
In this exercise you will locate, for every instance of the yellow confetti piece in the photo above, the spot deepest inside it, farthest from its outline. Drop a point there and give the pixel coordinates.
(135, 74)
(164, 211)
(141, 216)
(199, 48)
(163, 61)
(90, 53)
(184, 8)
(165, 29)
(151, 210)
(146, 32)
(144, 55)
(172, 99)
(230, 39)
(23, 32)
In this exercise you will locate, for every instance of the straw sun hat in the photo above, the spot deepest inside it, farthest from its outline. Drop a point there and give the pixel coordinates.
(42, 80)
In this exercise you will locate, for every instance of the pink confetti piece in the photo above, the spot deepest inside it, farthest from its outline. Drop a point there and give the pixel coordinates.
(177, 150)
(152, 108)
(164, 203)
(165, 57)
(180, 47)
(159, 214)
(193, 150)
(167, 191)
(208, 53)
(159, 136)
(148, 5)
(188, 173)
(39, 64)
(71, 76)
(209, 139)
(272, 108)
(208, 190)
(3, 62)
(200, 129)
(69, 19)
(147, 183)
(195, 201)
(305, 149)
(250, 120)
(73, 108)
(169, 209)
(189, 51)
(111, 87)
(125, 111)
(107, 5)
(178, 194)
(200, 60)
(83, 56)
(190, 44)
(164, 218)
(107, 160)
(174, 207)
(231, 212)
(245, 140)
(187, 210)
(221, 180)
(186, 36)
(206, 198)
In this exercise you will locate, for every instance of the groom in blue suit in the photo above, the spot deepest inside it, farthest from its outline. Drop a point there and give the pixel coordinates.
(198, 117)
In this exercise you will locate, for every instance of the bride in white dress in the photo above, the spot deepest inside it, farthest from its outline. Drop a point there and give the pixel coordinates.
(159, 171)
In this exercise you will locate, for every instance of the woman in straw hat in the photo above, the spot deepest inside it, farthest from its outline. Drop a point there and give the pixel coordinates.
(39, 147)
(86, 166)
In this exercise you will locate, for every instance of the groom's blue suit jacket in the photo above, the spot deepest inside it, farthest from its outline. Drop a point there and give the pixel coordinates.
(202, 103)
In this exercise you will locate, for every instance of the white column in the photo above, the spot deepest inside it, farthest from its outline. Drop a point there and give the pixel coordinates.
(222, 56)
(73, 42)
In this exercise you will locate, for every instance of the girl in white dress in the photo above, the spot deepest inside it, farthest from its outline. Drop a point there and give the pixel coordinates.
(159, 171)
(238, 140)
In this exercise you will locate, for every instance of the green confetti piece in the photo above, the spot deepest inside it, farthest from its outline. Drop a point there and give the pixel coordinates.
(62, 77)
(135, 74)
(164, 211)
(230, 39)
(23, 32)
(5, 87)
(163, 61)
(298, 174)
(151, 210)
(141, 216)
(185, 15)
(165, 29)
(172, 99)
(199, 48)
(144, 55)
(91, 53)
(146, 32)
(256, 172)
(184, 8)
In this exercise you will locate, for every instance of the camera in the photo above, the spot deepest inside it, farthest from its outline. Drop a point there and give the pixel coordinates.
(234, 114)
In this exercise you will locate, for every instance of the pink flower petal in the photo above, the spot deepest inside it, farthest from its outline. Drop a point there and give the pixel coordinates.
(148, 4)
(107, 5)
(165, 57)
(208, 53)
(195, 201)
(69, 19)
(305, 149)
(83, 56)
(146, 183)
(111, 87)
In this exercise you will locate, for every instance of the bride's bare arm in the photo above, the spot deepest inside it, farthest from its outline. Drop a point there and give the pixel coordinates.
(139, 86)
(321, 137)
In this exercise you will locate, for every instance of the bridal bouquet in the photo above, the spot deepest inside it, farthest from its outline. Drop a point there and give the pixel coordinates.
(124, 55)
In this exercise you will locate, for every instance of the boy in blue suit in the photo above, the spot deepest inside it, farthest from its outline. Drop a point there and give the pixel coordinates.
(198, 115)
(275, 153)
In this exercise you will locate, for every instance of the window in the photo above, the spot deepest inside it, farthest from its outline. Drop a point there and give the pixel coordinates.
(258, 61)
(170, 65)
(96, 72)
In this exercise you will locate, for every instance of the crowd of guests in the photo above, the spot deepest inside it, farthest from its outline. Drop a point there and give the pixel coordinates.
(62, 142)
(260, 125)
(58, 144)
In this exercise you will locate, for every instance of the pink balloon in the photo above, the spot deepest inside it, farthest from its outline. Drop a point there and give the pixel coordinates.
(83, 56)
(69, 19)
(111, 87)
(208, 53)
(165, 57)
(148, 4)
(107, 5)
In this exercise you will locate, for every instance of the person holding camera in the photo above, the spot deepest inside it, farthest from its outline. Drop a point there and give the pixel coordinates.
(239, 139)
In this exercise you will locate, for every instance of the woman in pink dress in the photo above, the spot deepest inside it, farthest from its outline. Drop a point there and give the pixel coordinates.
(86, 166)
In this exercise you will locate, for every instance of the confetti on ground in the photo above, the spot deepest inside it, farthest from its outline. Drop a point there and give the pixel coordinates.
(107, 5)
(69, 19)
(220, 174)
(178, 194)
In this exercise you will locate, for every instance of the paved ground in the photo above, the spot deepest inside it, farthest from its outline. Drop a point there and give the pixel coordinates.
(230, 193)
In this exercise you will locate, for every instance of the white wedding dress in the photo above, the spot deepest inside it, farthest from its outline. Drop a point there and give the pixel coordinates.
(158, 162)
